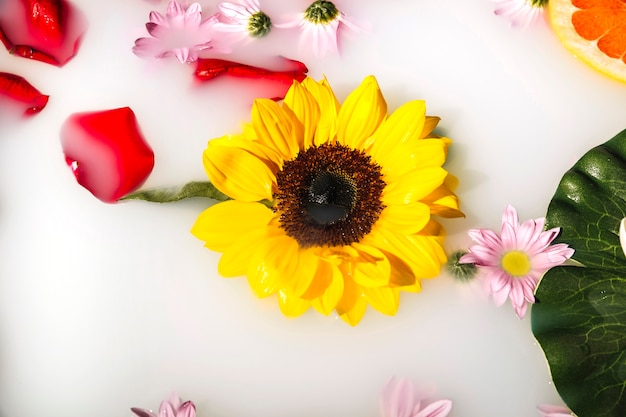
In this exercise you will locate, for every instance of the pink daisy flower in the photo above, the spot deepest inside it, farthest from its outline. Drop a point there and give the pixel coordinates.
(399, 399)
(521, 13)
(243, 19)
(181, 32)
(172, 407)
(320, 23)
(547, 410)
(513, 262)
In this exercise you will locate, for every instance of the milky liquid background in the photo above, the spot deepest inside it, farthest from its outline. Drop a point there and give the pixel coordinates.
(104, 307)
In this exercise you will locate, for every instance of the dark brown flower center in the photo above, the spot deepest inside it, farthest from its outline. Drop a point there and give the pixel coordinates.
(329, 196)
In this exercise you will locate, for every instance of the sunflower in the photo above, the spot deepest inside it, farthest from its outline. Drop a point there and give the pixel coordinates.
(331, 205)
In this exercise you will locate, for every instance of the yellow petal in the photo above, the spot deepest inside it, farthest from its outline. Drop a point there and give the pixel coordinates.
(272, 265)
(361, 114)
(442, 201)
(406, 218)
(236, 258)
(404, 125)
(305, 272)
(237, 173)
(269, 156)
(418, 154)
(352, 305)
(275, 128)
(413, 186)
(222, 224)
(328, 300)
(430, 124)
(329, 108)
(385, 299)
(402, 276)
(291, 305)
(423, 254)
(305, 108)
(372, 268)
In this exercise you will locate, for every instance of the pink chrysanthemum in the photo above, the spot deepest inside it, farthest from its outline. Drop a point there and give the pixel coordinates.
(513, 262)
(547, 410)
(172, 407)
(320, 24)
(181, 32)
(243, 19)
(521, 13)
(400, 400)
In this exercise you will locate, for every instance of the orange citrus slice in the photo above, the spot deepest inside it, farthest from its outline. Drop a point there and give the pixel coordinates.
(594, 31)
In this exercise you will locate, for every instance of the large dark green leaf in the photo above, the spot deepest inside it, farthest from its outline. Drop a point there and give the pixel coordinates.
(580, 315)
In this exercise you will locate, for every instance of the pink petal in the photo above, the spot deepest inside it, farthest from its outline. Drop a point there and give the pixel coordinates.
(528, 234)
(509, 237)
(500, 297)
(485, 256)
(510, 216)
(498, 280)
(158, 18)
(187, 409)
(520, 311)
(174, 9)
(155, 30)
(485, 237)
(397, 399)
(140, 412)
(439, 408)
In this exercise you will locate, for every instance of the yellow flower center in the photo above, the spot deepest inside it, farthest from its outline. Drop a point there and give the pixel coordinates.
(515, 263)
(321, 12)
(259, 25)
(329, 195)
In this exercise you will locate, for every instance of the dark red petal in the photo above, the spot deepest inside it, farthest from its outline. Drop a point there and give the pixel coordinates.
(210, 68)
(21, 91)
(45, 30)
(107, 152)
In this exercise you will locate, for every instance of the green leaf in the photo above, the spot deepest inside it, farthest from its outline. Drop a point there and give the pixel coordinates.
(579, 318)
(167, 195)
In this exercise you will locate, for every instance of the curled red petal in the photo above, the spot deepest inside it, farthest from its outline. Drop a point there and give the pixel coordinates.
(21, 91)
(210, 68)
(46, 20)
(49, 31)
(107, 152)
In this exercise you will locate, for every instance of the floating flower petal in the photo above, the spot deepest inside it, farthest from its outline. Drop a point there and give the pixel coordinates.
(331, 205)
(548, 410)
(320, 24)
(399, 399)
(172, 407)
(45, 30)
(513, 262)
(107, 152)
(20, 91)
(210, 68)
(521, 13)
(181, 33)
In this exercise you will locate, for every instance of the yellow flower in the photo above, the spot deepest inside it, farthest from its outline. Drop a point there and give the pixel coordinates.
(331, 205)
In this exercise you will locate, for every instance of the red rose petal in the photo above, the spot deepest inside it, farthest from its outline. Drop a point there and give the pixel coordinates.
(210, 68)
(23, 93)
(45, 30)
(107, 152)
